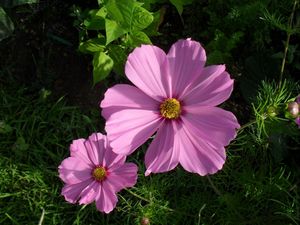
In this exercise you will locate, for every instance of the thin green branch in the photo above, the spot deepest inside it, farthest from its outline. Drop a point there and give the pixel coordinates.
(287, 42)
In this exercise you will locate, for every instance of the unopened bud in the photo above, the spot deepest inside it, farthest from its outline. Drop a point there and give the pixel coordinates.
(272, 111)
(145, 221)
(293, 108)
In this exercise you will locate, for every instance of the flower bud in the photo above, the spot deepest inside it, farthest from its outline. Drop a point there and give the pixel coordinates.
(272, 111)
(293, 108)
(145, 221)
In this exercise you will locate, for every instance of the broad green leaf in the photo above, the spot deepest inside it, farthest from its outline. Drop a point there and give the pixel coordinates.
(119, 56)
(13, 3)
(92, 45)
(180, 3)
(113, 30)
(158, 16)
(103, 65)
(6, 25)
(137, 38)
(141, 18)
(96, 19)
(129, 14)
(120, 10)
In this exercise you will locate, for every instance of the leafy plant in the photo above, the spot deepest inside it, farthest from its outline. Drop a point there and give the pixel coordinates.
(119, 26)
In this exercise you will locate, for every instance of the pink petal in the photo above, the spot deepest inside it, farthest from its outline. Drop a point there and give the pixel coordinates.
(73, 170)
(297, 121)
(96, 147)
(72, 192)
(162, 154)
(106, 199)
(112, 159)
(214, 125)
(123, 96)
(214, 87)
(145, 67)
(197, 156)
(78, 150)
(88, 195)
(128, 129)
(123, 176)
(186, 60)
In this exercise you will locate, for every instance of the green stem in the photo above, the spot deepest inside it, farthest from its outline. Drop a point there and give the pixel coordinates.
(287, 43)
(138, 196)
(246, 125)
(161, 206)
(213, 186)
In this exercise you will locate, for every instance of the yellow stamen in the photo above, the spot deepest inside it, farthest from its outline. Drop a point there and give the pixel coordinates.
(170, 108)
(99, 173)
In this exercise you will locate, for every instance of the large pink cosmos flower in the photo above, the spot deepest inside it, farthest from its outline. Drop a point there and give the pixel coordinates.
(176, 96)
(95, 173)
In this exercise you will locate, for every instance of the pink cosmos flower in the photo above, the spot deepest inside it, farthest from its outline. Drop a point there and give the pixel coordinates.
(94, 172)
(176, 96)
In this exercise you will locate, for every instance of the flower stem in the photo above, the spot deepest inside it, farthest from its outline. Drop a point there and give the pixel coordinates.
(161, 206)
(213, 186)
(289, 33)
(247, 125)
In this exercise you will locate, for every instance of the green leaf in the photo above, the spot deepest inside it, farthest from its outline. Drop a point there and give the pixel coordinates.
(113, 31)
(180, 3)
(129, 14)
(92, 45)
(119, 56)
(6, 25)
(141, 18)
(96, 19)
(13, 3)
(152, 29)
(137, 38)
(103, 65)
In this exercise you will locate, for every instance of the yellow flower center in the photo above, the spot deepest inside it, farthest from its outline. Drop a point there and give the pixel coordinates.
(170, 108)
(99, 173)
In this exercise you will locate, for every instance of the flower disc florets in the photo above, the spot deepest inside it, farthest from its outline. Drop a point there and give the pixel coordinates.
(170, 108)
(99, 173)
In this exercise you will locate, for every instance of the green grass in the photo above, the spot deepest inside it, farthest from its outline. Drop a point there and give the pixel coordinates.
(35, 136)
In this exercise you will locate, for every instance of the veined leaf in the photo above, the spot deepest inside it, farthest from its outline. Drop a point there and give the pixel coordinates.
(129, 14)
(6, 25)
(103, 65)
(113, 30)
(119, 56)
(92, 45)
(137, 38)
(158, 17)
(141, 18)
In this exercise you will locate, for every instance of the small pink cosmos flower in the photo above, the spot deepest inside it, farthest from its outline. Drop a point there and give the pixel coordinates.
(176, 96)
(94, 172)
